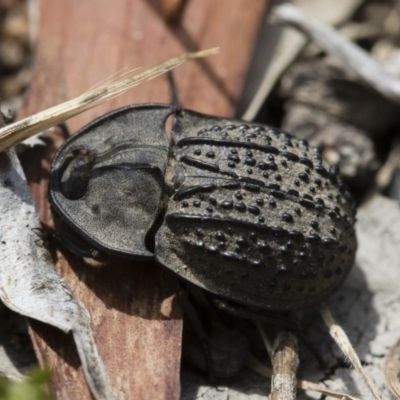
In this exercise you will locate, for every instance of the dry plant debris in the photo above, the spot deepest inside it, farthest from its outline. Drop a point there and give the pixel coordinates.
(367, 306)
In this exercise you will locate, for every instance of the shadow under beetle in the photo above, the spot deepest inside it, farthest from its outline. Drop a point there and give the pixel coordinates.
(241, 210)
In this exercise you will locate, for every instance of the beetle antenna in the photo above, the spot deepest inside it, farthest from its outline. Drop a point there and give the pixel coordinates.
(194, 318)
(173, 90)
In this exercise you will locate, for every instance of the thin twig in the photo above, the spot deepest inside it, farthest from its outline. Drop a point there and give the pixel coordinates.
(386, 172)
(21, 130)
(341, 339)
(261, 369)
(392, 369)
(355, 60)
(285, 362)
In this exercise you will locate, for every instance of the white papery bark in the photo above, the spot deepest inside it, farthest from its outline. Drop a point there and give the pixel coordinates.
(29, 283)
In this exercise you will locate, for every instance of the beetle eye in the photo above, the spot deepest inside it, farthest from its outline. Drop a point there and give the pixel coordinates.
(75, 173)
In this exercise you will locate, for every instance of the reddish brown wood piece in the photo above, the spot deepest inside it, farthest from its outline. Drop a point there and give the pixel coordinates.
(136, 320)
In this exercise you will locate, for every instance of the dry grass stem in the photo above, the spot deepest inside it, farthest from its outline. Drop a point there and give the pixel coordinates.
(341, 339)
(21, 130)
(392, 369)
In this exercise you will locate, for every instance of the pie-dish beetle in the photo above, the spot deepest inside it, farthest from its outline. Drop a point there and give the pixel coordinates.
(246, 212)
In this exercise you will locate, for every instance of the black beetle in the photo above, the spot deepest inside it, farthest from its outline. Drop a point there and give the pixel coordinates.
(246, 212)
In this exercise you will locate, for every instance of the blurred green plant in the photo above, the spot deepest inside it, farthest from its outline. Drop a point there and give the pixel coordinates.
(33, 387)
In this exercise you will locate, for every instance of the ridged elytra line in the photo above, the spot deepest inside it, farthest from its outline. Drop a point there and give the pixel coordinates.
(194, 162)
(319, 169)
(297, 200)
(234, 184)
(238, 179)
(309, 204)
(275, 230)
(177, 217)
(190, 190)
(228, 143)
(252, 181)
(274, 192)
(306, 161)
(290, 156)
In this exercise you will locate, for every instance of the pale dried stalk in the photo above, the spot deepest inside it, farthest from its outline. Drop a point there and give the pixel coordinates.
(17, 132)
(392, 369)
(356, 62)
(261, 369)
(285, 362)
(341, 339)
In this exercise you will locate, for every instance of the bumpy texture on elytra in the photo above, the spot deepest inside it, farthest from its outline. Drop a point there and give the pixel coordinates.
(256, 216)
(251, 214)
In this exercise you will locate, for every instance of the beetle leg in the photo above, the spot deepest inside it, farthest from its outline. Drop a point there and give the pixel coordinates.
(312, 349)
(42, 236)
(241, 312)
(194, 318)
(279, 320)
(76, 248)
(173, 90)
(64, 130)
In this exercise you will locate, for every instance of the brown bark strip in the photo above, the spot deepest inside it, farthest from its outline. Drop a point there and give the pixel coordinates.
(136, 321)
(285, 362)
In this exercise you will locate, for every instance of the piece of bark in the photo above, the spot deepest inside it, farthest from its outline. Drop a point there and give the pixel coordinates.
(136, 321)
